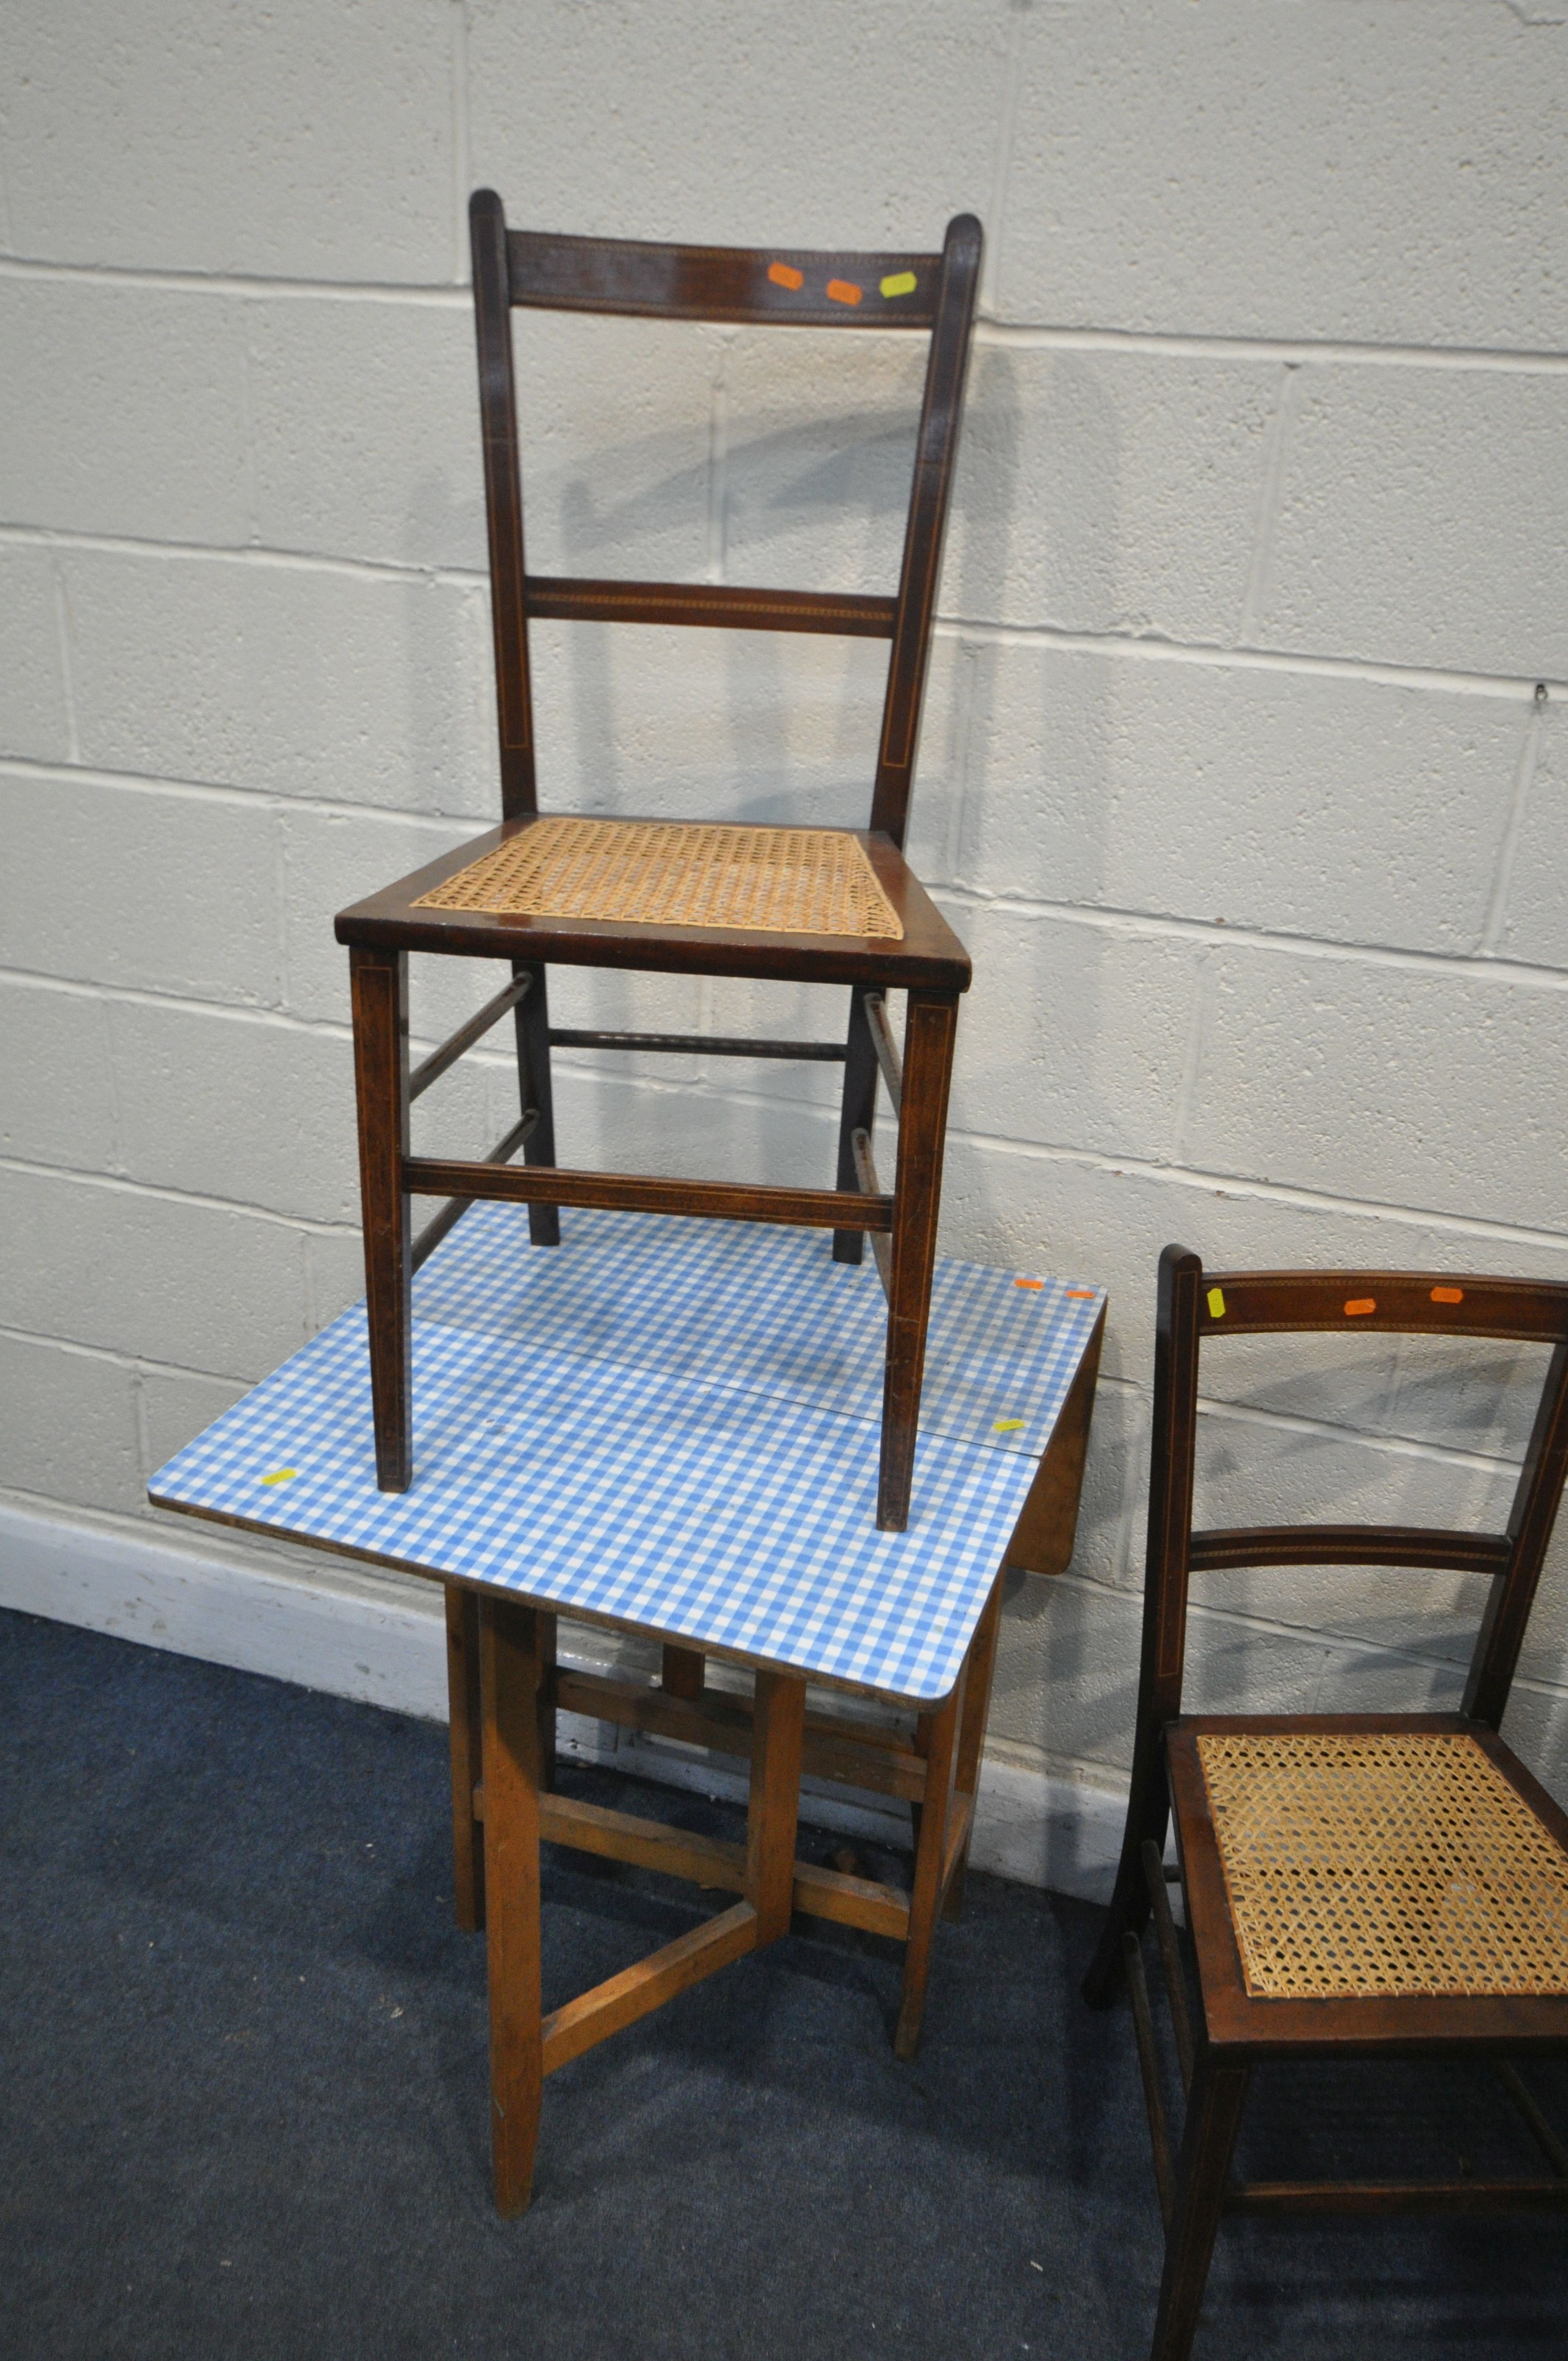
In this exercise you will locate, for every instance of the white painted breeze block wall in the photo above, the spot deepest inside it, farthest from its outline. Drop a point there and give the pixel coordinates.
(1235, 776)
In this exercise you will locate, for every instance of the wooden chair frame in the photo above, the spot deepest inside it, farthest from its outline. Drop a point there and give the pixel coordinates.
(505, 1688)
(1231, 2030)
(935, 292)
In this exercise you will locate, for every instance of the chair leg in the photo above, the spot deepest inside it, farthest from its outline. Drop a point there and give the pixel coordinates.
(980, 1665)
(466, 1721)
(936, 1738)
(531, 1020)
(1214, 2118)
(930, 1027)
(379, 982)
(1149, 1817)
(511, 1673)
(856, 1112)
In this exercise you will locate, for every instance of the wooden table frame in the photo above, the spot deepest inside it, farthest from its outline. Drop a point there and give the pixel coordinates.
(557, 1511)
(506, 1687)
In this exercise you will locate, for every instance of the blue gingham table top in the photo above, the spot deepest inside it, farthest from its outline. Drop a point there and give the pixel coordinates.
(672, 1426)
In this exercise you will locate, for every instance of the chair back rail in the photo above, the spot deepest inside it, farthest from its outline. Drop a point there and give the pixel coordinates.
(751, 286)
(1408, 1545)
(935, 292)
(1399, 1302)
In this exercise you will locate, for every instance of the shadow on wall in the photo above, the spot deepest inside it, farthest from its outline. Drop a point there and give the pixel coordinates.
(1052, 1086)
(776, 728)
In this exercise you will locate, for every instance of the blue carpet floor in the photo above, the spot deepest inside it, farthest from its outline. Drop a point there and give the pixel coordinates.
(242, 2058)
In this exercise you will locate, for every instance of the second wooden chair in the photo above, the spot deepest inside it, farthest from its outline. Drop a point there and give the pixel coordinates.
(1363, 1884)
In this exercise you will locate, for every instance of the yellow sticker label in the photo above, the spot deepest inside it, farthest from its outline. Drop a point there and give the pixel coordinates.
(281, 1475)
(1005, 1425)
(1216, 1304)
(899, 282)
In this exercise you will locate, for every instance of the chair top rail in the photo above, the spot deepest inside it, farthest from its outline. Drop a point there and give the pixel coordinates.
(761, 286)
(1430, 1302)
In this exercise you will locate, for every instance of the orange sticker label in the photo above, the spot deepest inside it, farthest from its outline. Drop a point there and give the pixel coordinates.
(844, 291)
(784, 274)
(1359, 1304)
(1028, 1282)
(1448, 1295)
(1080, 1295)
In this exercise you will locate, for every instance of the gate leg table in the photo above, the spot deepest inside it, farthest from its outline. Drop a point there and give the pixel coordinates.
(674, 1435)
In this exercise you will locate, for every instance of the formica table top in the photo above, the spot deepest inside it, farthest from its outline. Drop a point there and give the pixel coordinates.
(672, 1427)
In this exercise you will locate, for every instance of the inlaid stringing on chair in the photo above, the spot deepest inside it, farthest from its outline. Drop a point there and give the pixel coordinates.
(805, 905)
(1383, 1884)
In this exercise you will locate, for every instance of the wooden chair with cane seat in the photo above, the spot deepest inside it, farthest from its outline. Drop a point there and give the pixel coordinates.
(1375, 1885)
(791, 904)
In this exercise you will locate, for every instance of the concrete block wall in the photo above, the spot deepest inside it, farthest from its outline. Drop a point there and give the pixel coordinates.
(1235, 774)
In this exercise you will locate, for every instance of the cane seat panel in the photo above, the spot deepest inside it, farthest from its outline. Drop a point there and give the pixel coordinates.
(1386, 1864)
(798, 881)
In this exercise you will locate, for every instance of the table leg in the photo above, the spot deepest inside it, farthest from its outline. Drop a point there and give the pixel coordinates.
(778, 1729)
(937, 1740)
(467, 1759)
(511, 1670)
(978, 1666)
